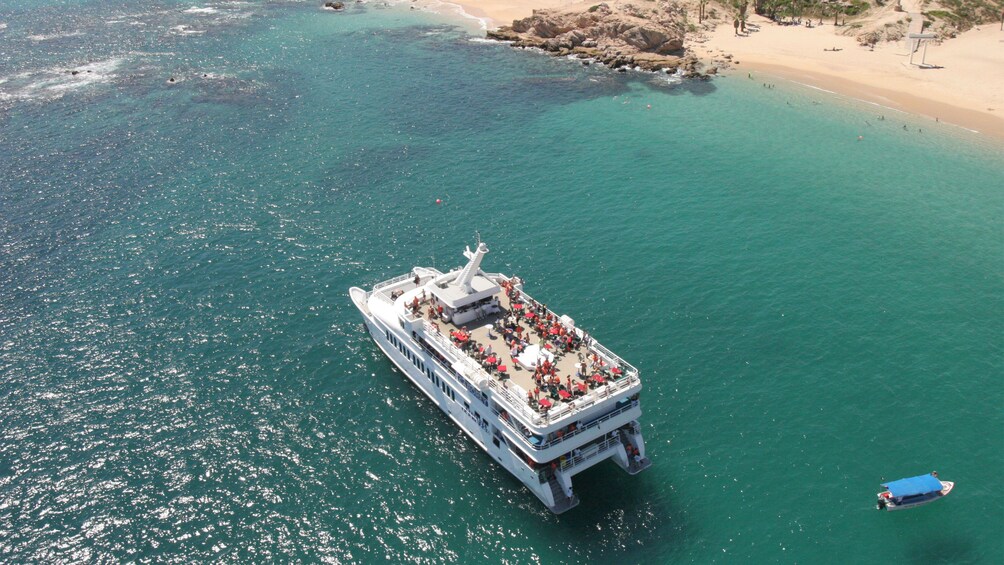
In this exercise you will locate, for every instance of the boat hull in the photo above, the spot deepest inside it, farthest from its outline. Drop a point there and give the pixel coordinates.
(542, 450)
(892, 506)
(476, 430)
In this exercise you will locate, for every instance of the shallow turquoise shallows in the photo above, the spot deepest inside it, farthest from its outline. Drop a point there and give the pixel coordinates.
(183, 376)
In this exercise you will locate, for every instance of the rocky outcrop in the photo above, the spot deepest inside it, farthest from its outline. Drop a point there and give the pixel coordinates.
(617, 33)
(336, 6)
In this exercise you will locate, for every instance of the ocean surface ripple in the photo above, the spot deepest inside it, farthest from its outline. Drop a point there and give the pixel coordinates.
(183, 377)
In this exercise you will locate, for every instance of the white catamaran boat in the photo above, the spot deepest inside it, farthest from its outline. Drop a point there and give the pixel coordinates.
(537, 393)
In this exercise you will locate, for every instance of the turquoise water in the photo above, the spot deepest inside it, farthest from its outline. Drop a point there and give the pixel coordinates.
(183, 377)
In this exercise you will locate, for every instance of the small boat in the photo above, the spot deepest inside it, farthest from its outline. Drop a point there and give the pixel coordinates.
(914, 491)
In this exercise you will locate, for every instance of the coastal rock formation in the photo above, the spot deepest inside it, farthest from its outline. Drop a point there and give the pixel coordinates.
(336, 6)
(618, 33)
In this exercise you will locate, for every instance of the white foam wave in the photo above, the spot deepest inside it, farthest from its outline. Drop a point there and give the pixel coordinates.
(152, 53)
(671, 78)
(440, 6)
(198, 10)
(99, 71)
(52, 83)
(43, 37)
(186, 30)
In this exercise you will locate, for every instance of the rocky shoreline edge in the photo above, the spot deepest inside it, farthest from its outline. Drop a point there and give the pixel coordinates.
(618, 34)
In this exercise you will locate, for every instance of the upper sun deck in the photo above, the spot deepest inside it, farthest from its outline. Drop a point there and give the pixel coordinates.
(497, 336)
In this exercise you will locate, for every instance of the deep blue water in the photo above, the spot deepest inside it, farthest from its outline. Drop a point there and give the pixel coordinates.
(183, 377)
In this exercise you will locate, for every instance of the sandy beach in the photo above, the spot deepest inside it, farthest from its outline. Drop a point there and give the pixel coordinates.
(963, 83)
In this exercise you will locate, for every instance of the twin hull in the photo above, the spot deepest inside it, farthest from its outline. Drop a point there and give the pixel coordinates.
(475, 418)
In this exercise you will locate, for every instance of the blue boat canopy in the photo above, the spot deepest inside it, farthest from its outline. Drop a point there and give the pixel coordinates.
(922, 484)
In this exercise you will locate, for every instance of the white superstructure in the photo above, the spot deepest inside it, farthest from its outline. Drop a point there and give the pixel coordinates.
(539, 395)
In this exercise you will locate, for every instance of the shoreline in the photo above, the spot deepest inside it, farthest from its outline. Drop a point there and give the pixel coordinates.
(972, 121)
(963, 88)
(966, 89)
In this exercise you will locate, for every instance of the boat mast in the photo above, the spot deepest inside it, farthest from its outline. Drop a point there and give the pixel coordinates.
(473, 266)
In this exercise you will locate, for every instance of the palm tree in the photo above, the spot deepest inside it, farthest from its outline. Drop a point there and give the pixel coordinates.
(741, 13)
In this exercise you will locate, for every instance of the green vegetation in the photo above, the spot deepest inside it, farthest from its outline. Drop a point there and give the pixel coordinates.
(976, 11)
(857, 7)
(780, 9)
(967, 13)
(941, 15)
(956, 14)
(960, 13)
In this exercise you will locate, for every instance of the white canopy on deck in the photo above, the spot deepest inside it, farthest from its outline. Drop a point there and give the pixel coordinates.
(534, 354)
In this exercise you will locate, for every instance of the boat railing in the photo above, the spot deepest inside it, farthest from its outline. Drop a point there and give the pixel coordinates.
(393, 281)
(589, 452)
(506, 391)
(627, 367)
(433, 332)
(516, 396)
(593, 424)
(610, 356)
(569, 435)
(601, 392)
(473, 390)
